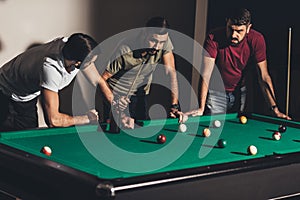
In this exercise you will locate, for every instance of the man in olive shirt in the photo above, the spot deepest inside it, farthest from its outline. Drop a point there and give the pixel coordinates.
(129, 76)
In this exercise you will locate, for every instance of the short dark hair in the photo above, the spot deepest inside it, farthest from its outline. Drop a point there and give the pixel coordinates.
(241, 16)
(160, 25)
(78, 46)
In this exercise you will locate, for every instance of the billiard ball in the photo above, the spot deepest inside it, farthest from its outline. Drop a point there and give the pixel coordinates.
(46, 150)
(276, 135)
(222, 143)
(217, 123)
(206, 132)
(282, 128)
(243, 119)
(161, 138)
(182, 128)
(252, 150)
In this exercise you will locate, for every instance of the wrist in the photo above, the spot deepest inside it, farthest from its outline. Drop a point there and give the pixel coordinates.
(176, 106)
(274, 108)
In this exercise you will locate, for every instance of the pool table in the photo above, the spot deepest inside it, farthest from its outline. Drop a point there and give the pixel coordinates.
(87, 162)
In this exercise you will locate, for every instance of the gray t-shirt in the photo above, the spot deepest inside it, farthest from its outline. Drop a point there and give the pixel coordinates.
(126, 65)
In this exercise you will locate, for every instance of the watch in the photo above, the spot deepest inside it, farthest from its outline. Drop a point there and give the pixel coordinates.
(273, 107)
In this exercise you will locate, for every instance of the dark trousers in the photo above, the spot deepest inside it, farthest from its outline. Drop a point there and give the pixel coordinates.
(137, 109)
(17, 115)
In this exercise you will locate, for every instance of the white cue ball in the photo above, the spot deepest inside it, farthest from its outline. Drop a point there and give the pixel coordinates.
(252, 150)
(182, 128)
(217, 123)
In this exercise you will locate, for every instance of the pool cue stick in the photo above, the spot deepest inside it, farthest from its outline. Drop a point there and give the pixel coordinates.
(132, 84)
(288, 71)
(135, 78)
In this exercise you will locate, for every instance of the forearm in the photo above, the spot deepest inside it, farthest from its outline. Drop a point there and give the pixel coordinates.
(268, 90)
(207, 68)
(169, 62)
(203, 94)
(174, 86)
(106, 91)
(64, 120)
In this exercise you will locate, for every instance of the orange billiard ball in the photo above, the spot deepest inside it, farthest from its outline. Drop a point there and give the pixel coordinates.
(206, 132)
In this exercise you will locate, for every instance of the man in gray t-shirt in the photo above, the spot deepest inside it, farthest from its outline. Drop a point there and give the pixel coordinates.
(129, 73)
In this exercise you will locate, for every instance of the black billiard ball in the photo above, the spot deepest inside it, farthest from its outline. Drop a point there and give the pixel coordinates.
(282, 128)
(222, 143)
(161, 138)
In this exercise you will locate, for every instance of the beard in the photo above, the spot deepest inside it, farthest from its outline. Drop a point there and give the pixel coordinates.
(234, 41)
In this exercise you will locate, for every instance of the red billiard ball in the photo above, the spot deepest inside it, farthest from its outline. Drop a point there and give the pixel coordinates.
(161, 138)
(282, 128)
(46, 150)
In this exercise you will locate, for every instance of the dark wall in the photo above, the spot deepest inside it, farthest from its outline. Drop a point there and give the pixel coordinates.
(273, 19)
(110, 17)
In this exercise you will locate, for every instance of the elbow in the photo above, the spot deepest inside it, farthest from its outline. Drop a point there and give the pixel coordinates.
(54, 121)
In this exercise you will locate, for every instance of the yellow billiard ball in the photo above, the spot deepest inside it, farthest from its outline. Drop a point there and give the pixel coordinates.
(243, 119)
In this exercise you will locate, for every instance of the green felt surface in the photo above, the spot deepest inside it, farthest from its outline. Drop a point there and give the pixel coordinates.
(136, 152)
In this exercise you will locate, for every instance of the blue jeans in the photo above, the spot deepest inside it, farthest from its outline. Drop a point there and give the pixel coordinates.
(225, 102)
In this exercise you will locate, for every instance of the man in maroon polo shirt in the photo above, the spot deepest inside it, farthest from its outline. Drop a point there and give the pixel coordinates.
(230, 49)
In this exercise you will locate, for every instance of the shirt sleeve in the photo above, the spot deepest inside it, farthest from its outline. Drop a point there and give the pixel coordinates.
(168, 47)
(114, 66)
(259, 47)
(210, 47)
(117, 60)
(51, 77)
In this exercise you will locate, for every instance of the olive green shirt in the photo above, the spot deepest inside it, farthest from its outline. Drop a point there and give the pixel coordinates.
(126, 66)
